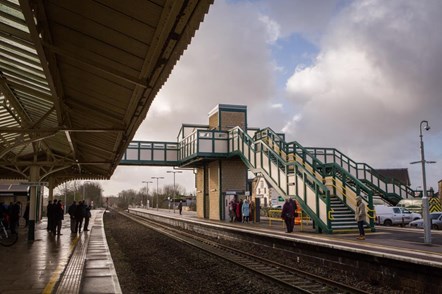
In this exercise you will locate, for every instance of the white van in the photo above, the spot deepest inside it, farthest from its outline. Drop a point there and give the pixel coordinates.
(393, 215)
(278, 202)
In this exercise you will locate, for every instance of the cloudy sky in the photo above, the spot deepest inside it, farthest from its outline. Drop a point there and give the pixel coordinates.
(358, 76)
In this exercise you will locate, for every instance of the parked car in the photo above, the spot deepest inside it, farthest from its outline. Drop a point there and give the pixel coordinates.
(436, 221)
(393, 215)
(414, 205)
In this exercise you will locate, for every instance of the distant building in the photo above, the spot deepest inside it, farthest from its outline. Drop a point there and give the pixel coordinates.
(262, 189)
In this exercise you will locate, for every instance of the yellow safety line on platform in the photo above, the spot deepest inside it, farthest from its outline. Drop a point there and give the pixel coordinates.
(56, 275)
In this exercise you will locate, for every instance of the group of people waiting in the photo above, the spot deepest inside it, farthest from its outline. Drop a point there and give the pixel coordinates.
(10, 215)
(55, 214)
(241, 211)
(78, 213)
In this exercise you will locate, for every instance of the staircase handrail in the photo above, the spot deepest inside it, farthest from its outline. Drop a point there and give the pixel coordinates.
(366, 167)
(369, 169)
(321, 197)
(286, 148)
(315, 163)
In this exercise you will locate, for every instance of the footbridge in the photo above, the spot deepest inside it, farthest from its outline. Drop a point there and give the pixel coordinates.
(324, 181)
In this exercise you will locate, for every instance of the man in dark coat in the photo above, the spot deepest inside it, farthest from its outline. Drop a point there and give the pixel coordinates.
(58, 215)
(87, 216)
(49, 211)
(26, 215)
(79, 215)
(14, 216)
(72, 210)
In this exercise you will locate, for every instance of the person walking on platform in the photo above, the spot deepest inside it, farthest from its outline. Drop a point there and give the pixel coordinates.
(87, 216)
(180, 207)
(58, 217)
(71, 210)
(287, 215)
(245, 211)
(49, 212)
(79, 215)
(360, 217)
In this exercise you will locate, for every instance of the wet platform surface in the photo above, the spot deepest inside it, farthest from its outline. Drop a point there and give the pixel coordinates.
(81, 263)
(67, 263)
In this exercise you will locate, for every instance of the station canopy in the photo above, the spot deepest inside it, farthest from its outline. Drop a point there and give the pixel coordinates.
(77, 78)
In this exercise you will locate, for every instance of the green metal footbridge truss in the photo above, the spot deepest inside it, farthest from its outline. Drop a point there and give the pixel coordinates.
(324, 181)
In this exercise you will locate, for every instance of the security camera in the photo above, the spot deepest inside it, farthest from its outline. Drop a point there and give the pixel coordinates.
(427, 128)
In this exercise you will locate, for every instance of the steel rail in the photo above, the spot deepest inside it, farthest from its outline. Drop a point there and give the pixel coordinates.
(293, 278)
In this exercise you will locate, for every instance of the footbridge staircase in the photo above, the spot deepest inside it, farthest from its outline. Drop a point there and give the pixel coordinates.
(324, 181)
(385, 190)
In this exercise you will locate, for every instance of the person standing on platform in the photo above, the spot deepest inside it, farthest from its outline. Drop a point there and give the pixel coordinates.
(87, 216)
(49, 215)
(239, 211)
(232, 212)
(71, 210)
(287, 215)
(252, 211)
(295, 214)
(360, 217)
(180, 206)
(14, 216)
(245, 211)
(26, 215)
(79, 215)
(58, 217)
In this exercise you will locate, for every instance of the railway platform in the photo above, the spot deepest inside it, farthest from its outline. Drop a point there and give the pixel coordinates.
(82, 263)
(66, 263)
(405, 244)
(390, 256)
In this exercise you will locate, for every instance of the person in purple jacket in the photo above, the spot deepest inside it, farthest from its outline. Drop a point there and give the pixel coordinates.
(288, 214)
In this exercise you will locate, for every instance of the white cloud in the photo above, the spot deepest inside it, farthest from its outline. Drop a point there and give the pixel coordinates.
(373, 81)
(228, 62)
(377, 75)
(272, 28)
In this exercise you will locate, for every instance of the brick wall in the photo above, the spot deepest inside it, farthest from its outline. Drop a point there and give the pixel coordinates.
(234, 175)
(200, 192)
(232, 119)
(214, 191)
(213, 121)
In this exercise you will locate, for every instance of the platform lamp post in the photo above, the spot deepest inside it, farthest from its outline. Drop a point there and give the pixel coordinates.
(147, 191)
(174, 188)
(425, 206)
(157, 178)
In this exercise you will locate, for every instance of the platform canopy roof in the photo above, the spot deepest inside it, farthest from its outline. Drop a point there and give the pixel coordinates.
(78, 77)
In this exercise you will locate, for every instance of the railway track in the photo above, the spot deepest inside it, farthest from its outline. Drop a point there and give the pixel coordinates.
(295, 279)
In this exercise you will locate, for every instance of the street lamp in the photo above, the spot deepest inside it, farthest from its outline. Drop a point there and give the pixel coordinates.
(157, 178)
(174, 189)
(425, 206)
(147, 191)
